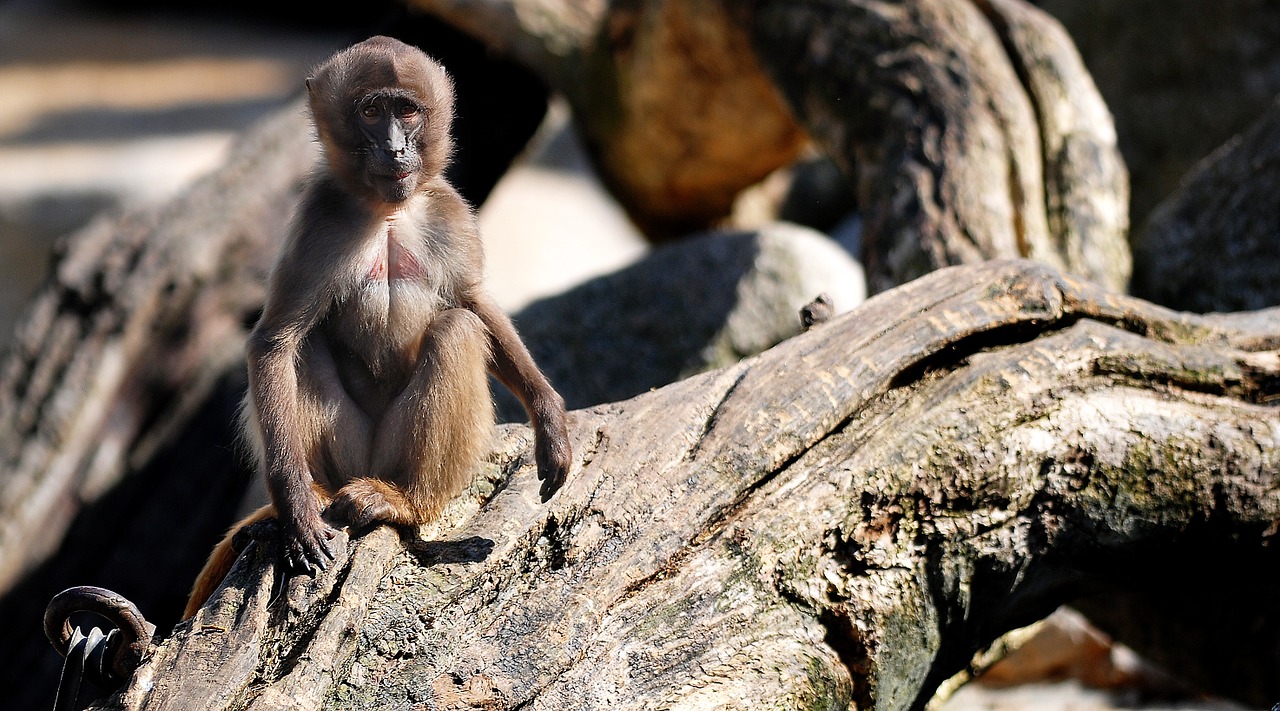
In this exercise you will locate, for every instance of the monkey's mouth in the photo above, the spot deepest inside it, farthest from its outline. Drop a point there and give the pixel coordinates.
(396, 176)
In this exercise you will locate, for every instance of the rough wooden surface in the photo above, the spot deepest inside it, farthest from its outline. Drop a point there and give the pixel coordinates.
(972, 128)
(668, 97)
(842, 521)
(144, 313)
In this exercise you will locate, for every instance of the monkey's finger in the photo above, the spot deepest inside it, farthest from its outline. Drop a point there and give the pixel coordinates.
(552, 478)
(553, 465)
(298, 561)
(319, 554)
(321, 550)
(324, 555)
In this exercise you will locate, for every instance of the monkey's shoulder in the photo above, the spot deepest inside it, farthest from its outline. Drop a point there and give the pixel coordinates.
(324, 198)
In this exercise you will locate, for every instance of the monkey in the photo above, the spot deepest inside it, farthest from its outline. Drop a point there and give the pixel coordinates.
(368, 394)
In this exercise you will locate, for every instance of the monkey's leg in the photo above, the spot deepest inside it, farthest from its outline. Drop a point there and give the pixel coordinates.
(430, 441)
(337, 431)
(325, 410)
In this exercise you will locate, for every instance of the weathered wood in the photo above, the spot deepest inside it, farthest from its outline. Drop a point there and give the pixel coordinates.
(668, 97)
(842, 521)
(973, 130)
(144, 313)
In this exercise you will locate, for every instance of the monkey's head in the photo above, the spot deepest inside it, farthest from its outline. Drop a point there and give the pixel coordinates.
(383, 109)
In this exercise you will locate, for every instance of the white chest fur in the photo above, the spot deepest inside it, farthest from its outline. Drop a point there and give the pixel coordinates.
(397, 290)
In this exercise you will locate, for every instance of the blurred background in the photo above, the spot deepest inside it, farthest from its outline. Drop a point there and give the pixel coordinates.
(108, 105)
(105, 106)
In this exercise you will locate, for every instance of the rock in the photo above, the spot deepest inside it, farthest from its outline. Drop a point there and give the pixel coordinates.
(690, 306)
(1211, 246)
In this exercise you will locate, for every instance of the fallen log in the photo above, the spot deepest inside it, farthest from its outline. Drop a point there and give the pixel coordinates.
(844, 521)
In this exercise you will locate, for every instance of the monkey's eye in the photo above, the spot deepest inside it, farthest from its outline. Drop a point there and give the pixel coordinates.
(407, 109)
(370, 111)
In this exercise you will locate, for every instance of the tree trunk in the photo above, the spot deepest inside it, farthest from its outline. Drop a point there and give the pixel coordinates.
(144, 313)
(674, 107)
(842, 521)
(972, 128)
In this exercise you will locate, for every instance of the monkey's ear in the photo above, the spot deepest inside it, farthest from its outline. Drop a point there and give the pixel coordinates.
(311, 87)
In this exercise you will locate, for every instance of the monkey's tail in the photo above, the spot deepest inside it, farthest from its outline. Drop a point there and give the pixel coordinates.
(219, 564)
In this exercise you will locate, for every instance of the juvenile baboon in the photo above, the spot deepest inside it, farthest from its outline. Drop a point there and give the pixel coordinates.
(367, 371)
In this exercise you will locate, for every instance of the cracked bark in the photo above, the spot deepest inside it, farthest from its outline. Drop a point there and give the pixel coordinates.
(842, 521)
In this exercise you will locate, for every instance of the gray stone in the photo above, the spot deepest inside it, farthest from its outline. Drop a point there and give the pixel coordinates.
(690, 306)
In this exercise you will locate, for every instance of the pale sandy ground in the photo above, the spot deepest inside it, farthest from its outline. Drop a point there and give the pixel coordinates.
(98, 111)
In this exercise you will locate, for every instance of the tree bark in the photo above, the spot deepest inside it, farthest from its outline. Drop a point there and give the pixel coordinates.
(842, 521)
(143, 315)
(669, 99)
(972, 128)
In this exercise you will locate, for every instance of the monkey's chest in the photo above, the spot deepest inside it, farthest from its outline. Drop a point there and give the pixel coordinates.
(387, 261)
(396, 294)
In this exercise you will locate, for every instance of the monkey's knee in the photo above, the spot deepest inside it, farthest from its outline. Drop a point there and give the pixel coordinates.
(457, 335)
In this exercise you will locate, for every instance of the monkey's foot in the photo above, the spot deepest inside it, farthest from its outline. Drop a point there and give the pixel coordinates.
(364, 501)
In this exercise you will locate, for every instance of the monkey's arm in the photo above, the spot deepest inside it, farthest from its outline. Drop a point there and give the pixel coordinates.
(273, 387)
(274, 350)
(513, 365)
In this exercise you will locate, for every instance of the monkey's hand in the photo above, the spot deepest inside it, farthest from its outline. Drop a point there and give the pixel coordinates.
(553, 454)
(307, 546)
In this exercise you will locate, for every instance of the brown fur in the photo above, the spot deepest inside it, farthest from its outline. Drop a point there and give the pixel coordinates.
(367, 368)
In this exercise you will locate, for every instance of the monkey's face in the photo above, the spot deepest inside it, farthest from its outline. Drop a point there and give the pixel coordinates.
(390, 125)
(382, 110)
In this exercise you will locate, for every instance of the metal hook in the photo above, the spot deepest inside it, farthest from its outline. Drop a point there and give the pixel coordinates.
(125, 647)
